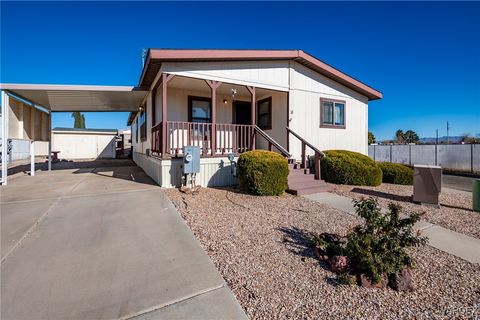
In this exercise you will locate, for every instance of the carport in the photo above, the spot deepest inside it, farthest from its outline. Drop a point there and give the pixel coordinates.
(43, 99)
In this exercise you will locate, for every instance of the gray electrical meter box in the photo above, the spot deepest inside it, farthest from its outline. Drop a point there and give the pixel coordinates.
(191, 159)
(427, 184)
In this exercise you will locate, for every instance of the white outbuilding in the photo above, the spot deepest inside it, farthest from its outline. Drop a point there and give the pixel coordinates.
(74, 143)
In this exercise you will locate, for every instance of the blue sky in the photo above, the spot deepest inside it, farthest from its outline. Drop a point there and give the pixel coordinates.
(424, 56)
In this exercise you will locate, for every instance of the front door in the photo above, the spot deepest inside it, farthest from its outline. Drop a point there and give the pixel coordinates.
(242, 114)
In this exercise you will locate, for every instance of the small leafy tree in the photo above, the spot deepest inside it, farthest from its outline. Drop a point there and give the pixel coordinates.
(467, 138)
(378, 246)
(79, 120)
(371, 138)
(411, 137)
(399, 136)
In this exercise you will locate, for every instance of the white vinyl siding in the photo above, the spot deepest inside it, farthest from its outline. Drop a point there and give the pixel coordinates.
(307, 88)
(264, 74)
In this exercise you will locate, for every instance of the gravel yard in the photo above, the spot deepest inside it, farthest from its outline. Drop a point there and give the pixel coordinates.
(259, 245)
(456, 206)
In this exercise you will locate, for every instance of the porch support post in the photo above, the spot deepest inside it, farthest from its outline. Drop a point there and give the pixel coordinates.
(5, 109)
(253, 111)
(165, 78)
(213, 86)
(154, 94)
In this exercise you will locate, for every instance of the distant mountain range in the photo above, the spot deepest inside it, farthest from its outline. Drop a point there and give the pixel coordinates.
(453, 139)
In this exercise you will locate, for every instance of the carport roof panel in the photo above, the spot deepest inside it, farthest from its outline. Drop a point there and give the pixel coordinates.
(79, 97)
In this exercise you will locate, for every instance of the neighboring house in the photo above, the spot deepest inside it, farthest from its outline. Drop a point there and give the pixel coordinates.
(231, 101)
(124, 143)
(76, 143)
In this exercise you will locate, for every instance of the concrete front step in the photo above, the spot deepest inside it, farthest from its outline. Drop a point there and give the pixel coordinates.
(301, 177)
(322, 187)
(300, 172)
(301, 183)
(305, 184)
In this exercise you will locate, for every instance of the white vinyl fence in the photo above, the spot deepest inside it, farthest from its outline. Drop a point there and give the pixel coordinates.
(465, 157)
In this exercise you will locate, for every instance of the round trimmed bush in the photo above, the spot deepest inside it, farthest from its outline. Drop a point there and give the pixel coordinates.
(263, 173)
(396, 173)
(348, 167)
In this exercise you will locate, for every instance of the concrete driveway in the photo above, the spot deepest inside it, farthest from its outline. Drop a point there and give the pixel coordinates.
(103, 243)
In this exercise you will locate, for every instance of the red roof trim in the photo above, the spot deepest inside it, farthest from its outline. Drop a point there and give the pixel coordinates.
(166, 54)
(298, 55)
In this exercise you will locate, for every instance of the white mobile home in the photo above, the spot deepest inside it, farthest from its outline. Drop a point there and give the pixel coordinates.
(231, 101)
(226, 102)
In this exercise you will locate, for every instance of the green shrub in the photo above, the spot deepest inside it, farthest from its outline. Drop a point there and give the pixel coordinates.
(377, 246)
(346, 279)
(263, 172)
(347, 167)
(396, 173)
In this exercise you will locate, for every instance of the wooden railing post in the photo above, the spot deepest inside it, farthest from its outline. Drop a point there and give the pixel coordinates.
(317, 166)
(304, 157)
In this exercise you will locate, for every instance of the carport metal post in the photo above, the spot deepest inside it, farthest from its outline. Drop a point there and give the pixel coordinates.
(5, 107)
(50, 141)
(32, 158)
(50, 155)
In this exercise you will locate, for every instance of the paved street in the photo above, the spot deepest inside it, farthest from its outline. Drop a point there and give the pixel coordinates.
(457, 182)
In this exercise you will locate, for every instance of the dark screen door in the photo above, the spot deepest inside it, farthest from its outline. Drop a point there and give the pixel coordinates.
(242, 115)
(243, 112)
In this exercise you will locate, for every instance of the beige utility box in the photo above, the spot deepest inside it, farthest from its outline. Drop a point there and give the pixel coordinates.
(427, 184)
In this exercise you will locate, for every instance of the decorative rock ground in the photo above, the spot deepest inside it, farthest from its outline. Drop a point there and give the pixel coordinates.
(366, 282)
(260, 246)
(401, 281)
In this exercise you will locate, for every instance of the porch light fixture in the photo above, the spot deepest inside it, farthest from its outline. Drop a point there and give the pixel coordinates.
(234, 92)
(140, 108)
(225, 101)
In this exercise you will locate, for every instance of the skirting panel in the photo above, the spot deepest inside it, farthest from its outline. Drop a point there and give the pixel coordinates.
(214, 172)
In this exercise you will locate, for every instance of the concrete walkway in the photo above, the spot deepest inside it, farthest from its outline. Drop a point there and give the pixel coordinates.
(457, 244)
(103, 243)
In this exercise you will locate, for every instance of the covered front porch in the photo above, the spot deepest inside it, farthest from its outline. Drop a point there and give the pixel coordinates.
(221, 118)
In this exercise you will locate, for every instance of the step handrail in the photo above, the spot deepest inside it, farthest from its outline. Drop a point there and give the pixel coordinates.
(272, 142)
(306, 142)
(318, 154)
